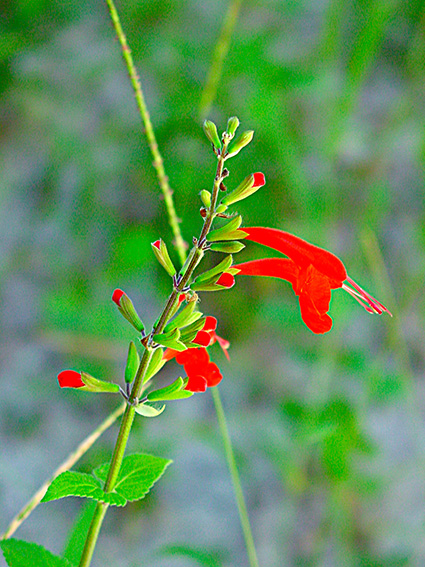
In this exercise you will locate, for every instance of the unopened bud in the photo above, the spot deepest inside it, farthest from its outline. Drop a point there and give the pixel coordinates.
(127, 309)
(228, 232)
(206, 198)
(160, 250)
(133, 361)
(211, 133)
(236, 146)
(83, 381)
(249, 185)
(229, 247)
(232, 125)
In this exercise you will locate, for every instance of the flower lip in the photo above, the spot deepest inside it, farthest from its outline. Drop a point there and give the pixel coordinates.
(70, 379)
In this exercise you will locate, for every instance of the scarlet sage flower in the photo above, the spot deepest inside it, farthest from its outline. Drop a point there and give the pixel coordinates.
(201, 372)
(312, 271)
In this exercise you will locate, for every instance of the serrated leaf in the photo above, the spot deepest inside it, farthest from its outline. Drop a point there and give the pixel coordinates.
(149, 411)
(138, 474)
(155, 365)
(19, 553)
(77, 537)
(71, 483)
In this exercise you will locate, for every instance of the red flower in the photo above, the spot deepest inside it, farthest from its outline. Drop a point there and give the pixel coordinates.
(116, 296)
(70, 379)
(312, 271)
(259, 179)
(202, 373)
(226, 280)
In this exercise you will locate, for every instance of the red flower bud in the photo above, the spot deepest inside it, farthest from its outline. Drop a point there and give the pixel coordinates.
(259, 179)
(116, 296)
(70, 379)
(226, 280)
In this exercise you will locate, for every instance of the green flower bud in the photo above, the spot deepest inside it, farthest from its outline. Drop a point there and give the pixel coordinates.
(206, 198)
(160, 250)
(221, 209)
(127, 310)
(228, 247)
(211, 133)
(228, 232)
(236, 146)
(232, 125)
(249, 185)
(133, 361)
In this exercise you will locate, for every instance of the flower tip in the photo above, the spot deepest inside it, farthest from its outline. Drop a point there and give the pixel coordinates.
(70, 379)
(226, 280)
(259, 179)
(157, 244)
(203, 338)
(116, 296)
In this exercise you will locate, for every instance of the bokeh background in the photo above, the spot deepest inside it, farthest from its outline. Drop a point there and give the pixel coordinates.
(328, 430)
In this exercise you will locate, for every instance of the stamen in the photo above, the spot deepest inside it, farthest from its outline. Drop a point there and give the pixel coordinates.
(374, 305)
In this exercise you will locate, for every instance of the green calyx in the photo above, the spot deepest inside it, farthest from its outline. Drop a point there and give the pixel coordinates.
(228, 232)
(211, 133)
(133, 361)
(228, 247)
(92, 384)
(160, 250)
(174, 391)
(236, 145)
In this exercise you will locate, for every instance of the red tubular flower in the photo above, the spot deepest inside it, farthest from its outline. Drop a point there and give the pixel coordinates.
(226, 280)
(312, 271)
(201, 372)
(70, 379)
(259, 179)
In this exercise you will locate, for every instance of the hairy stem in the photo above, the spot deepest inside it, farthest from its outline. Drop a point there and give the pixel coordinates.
(158, 162)
(220, 51)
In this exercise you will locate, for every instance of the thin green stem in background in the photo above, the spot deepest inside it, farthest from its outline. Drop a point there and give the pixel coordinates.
(237, 487)
(150, 134)
(65, 466)
(220, 51)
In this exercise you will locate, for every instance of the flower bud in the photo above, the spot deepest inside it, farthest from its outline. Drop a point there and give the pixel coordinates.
(236, 146)
(232, 125)
(211, 133)
(249, 185)
(133, 361)
(228, 247)
(228, 232)
(206, 198)
(127, 309)
(221, 209)
(83, 381)
(160, 250)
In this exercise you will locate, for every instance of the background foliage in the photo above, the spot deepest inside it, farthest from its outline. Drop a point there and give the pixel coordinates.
(328, 430)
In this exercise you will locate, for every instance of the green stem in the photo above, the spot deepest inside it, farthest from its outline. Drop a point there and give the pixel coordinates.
(65, 466)
(220, 51)
(158, 162)
(237, 487)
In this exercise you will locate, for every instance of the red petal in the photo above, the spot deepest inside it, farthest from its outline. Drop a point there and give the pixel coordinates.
(270, 267)
(202, 338)
(315, 321)
(193, 356)
(224, 345)
(70, 379)
(196, 383)
(259, 179)
(116, 296)
(169, 354)
(301, 252)
(212, 374)
(157, 244)
(226, 280)
(210, 324)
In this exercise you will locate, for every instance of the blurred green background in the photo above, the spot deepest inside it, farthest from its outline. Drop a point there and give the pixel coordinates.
(328, 430)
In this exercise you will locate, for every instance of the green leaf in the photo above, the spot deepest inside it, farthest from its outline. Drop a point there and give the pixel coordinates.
(155, 365)
(172, 392)
(19, 553)
(138, 474)
(71, 483)
(77, 538)
(147, 410)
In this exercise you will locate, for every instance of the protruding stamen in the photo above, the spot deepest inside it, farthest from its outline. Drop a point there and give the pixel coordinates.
(360, 295)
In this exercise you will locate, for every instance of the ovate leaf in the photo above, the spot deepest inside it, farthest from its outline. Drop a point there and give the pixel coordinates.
(19, 553)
